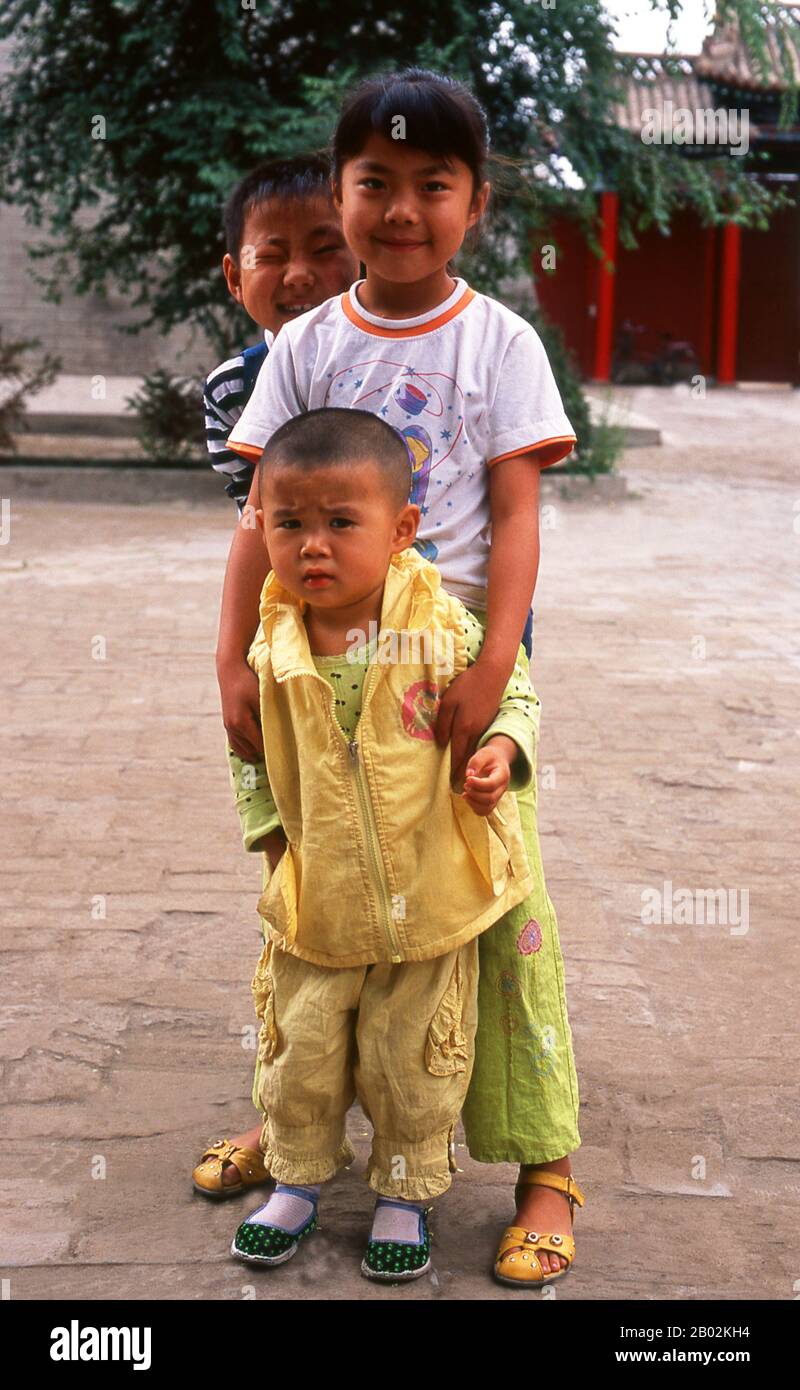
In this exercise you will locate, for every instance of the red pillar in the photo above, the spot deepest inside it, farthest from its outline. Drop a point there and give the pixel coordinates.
(728, 304)
(709, 268)
(604, 326)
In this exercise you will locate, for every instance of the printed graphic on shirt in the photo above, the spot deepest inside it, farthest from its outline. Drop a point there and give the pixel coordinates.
(433, 401)
(467, 385)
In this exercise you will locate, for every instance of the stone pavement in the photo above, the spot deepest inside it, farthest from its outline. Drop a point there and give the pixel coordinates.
(91, 416)
(65, 421)
(667, 662)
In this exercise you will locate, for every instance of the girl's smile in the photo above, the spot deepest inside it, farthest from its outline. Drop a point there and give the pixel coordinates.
(401, 245)
(405, 213)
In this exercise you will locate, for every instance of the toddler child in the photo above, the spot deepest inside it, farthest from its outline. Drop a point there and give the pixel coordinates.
(383, 876)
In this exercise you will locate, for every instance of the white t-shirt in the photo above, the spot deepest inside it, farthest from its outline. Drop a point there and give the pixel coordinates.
(466, 384)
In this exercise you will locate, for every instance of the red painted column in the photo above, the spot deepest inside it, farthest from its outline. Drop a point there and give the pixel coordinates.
(604, 326)
(728, 304)
(709, 267)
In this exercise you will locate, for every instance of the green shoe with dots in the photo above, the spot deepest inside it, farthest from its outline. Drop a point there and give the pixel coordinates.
(270, 1245)
(395, 1260)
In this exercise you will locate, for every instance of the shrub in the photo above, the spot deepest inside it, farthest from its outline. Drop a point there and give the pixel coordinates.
(19, 381)
(598, 445)
(607, 440)
(169, 410)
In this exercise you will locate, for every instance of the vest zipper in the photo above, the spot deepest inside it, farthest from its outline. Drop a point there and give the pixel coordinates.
(367, 817)
(394, 945)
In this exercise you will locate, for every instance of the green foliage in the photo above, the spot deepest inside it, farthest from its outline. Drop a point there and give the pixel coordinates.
(565, 370)
(123, 126)
(606, 445)
(19, 380)
(168, 408)
(599, 443)
(194, 92)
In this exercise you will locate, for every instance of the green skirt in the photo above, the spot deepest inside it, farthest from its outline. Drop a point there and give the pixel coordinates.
(522, 1104)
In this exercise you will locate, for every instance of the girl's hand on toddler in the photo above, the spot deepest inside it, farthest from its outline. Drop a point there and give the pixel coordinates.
(241, 710)
(467, 708)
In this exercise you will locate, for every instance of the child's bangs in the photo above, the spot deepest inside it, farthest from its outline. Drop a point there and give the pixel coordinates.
(422, 118)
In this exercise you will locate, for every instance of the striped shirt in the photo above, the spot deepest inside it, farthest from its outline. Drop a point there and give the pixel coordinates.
(226, 392)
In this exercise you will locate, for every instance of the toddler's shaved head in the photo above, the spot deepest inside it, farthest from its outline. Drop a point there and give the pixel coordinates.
(332, 437)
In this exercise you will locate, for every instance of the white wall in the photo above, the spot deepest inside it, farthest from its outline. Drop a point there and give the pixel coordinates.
(82, 330)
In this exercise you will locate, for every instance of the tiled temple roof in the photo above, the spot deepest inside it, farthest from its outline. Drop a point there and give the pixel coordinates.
(727, 60)
(692, 82)
(649, 80)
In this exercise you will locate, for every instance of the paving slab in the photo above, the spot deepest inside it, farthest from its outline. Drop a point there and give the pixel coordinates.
(666, 659)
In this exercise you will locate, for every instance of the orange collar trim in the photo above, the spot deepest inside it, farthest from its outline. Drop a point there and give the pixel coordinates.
(417, 331)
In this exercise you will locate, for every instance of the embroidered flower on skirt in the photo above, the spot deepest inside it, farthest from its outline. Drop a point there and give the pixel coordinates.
(530, 938)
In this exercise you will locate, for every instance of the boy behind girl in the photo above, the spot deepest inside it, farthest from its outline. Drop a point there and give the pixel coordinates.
(285, 253)
(382, 875)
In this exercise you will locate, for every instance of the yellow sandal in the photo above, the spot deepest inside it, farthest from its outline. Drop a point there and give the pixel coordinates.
(516, 1262)
(207, 1176)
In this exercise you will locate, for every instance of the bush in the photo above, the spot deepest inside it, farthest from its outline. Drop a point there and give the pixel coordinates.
(607, 441)
(18, 382)
(598, 445)
(169, 409)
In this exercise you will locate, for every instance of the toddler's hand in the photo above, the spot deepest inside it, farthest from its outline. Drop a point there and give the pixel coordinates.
(241, 710)
(273, 845)
(488, 775)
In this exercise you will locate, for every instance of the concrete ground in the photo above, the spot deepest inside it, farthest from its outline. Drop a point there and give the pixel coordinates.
(666, 658)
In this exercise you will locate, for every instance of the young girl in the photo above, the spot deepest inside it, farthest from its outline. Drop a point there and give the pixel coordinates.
(467, 384)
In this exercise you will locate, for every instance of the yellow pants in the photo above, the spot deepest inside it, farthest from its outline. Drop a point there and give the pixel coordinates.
(399, 1037)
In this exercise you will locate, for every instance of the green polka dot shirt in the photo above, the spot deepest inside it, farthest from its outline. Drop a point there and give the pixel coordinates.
(517, 718)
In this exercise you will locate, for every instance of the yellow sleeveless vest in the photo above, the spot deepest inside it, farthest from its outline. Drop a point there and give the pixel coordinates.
(384, 862)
